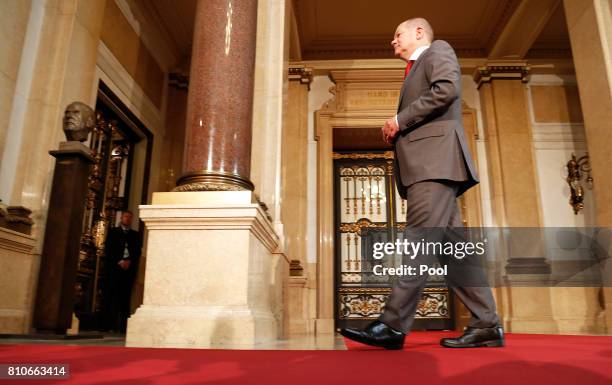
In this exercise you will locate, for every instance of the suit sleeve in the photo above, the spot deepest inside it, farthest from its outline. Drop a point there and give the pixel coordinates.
(442, 70)
(109, 244)
(138, 246)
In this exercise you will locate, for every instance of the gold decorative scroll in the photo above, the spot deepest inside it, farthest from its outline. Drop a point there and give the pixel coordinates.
(359, 225)
(355, 156)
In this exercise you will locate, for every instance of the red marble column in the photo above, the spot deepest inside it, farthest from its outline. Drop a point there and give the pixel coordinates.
(220, 102)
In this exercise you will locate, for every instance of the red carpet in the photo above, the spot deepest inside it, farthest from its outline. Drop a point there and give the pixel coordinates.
(527, 359)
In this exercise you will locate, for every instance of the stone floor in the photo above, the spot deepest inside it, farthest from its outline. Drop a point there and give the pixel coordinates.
(306, 342)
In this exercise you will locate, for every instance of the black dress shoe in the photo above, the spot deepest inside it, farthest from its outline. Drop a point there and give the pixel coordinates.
(476, 337)
(376, 334)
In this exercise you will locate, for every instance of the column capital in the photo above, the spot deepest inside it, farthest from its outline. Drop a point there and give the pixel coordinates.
(301, 74)
(509, 70)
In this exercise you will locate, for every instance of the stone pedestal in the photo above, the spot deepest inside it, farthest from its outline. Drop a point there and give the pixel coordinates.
(17, 265)
(60, 255)
(299, 303)
(212, 276)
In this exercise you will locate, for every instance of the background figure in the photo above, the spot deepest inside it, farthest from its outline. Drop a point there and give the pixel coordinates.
(122, 250)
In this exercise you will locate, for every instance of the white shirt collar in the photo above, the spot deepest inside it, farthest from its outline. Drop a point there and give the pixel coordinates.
(415, 55)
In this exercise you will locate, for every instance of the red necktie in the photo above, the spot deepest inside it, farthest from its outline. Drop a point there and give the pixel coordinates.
(408, 67)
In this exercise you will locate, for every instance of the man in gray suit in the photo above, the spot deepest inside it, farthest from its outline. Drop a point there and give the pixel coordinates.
(433, 166)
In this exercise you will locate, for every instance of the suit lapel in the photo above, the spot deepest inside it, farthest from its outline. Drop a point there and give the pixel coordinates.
(410, 74)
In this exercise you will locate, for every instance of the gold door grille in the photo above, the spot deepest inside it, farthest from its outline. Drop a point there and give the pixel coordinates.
(108, 190)
(366, 198)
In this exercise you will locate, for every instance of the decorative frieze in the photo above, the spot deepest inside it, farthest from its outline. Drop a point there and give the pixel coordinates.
(501, 70)
(301, 74)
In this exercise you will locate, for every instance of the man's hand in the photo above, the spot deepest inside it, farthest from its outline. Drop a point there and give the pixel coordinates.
(389, 130)
(124, 264)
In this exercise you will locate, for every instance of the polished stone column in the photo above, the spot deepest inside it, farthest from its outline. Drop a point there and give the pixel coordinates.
(228, 289)
(589, 23)
(220, 103)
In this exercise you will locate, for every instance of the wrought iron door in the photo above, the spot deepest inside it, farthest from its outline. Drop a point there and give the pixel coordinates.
(111, 144)
(366, 198)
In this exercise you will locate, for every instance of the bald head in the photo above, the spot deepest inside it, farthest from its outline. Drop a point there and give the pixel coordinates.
(410, 35)
(419, 22)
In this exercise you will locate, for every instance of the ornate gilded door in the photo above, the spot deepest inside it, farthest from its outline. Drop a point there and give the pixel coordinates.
(111, 143)
(366, 198)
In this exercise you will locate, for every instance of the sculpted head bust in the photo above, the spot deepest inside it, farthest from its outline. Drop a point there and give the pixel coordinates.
(79, 120)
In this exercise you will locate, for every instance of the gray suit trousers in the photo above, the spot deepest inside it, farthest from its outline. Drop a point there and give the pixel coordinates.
(432, 204)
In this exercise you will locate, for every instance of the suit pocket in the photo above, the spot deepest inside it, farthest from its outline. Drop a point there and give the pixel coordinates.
(426, 132)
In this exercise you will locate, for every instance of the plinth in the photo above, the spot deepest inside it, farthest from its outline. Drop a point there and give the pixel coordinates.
(212, 277)
(60, 255)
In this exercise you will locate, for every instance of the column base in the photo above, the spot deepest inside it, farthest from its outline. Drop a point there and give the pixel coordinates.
(555, 310)
(324, 325)
(18, 275)
(213, 181)
(200, 327)
(299, 321)
(213, 278)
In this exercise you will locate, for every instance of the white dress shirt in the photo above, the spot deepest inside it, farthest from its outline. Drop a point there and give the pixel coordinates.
(417, 52)
(126, 253)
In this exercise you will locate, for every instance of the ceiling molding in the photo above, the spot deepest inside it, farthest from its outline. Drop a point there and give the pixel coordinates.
(347, 30)
(544, 66)
(149, 28)
(295, 49)
(501, 70)
(553, 41)
(323, 67)
(363, 53)
(509, 7)
(177, 20)
(515, 39)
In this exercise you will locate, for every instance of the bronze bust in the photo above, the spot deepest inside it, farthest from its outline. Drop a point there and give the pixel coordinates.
(79, 120)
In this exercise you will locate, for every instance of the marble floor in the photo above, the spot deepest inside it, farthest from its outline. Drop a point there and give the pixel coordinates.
(305, 342)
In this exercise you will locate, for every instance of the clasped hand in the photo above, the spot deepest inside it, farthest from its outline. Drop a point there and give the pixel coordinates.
(124, 264)
(389, 130)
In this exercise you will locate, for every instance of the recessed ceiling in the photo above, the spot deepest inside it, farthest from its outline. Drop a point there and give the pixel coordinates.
(353, 29)
(553, 41)
(343, 29)
(177, 17)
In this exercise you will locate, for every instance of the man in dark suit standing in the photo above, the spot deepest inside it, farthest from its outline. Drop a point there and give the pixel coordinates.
(433, 166)
(122, 252)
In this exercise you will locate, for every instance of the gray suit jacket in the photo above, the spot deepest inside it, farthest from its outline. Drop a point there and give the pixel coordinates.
(431, 144)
